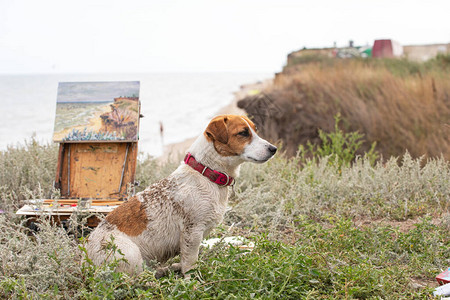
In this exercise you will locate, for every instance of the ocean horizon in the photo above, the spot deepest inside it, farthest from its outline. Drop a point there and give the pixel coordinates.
(182, 102)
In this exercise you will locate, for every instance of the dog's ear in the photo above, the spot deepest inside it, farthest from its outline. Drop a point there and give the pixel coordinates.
(217, 130)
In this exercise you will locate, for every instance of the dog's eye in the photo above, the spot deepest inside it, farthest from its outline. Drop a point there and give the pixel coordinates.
(244, 133)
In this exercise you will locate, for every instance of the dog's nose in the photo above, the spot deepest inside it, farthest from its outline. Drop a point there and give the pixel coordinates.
(272, 149)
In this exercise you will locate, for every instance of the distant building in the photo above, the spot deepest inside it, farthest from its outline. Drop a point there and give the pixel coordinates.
(381, 48)
(425, 52)
(387, 48)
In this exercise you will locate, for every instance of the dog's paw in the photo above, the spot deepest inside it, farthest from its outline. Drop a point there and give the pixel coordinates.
(161, 272)
(176, 267)
(164, 271)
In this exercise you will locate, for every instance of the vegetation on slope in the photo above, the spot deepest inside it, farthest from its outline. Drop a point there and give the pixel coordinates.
(323, 228)
(398, 104)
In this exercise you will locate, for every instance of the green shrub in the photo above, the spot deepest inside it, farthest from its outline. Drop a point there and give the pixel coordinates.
(26, 171)
(274, 194)
(44, 262)
(340, 147)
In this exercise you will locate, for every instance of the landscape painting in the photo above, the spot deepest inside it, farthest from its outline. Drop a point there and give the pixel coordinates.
(97, 111)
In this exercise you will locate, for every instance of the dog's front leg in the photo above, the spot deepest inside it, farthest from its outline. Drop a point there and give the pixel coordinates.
(189, 247)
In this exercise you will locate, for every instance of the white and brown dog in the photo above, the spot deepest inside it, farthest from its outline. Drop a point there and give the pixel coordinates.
(173, 215)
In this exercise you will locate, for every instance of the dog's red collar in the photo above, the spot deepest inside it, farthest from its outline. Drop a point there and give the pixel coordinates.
(215, 176)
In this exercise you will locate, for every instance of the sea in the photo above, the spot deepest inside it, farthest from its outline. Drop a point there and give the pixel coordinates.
(182, 103)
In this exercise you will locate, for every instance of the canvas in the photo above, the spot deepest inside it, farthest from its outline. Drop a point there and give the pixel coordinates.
(97, 111)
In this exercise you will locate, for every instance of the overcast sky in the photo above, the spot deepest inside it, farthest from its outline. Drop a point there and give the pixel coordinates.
(96, 91)
(44, 36)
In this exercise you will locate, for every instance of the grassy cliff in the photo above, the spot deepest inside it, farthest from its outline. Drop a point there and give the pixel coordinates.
(398, 104)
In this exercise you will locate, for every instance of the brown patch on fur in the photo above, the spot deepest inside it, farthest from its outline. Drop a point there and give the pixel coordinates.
(130, 217)
(217, 130)
(224, 131)
(250, 122)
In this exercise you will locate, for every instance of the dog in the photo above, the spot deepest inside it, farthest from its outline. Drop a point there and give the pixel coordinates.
(174, 215)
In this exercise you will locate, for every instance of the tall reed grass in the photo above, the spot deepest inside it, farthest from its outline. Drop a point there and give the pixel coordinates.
(398, 104)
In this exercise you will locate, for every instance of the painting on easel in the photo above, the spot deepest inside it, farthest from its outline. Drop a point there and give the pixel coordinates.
(97, 111)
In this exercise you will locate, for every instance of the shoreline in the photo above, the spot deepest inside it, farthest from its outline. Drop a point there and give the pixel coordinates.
(94, 123)
(176, 151)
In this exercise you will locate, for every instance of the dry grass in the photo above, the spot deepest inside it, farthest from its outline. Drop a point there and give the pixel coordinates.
(271, 198)
(26, 171)
(397, 108)
(302, 215)
(44, 263)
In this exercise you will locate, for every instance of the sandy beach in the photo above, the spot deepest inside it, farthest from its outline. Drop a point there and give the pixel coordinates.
(94, 123)
(176, 151)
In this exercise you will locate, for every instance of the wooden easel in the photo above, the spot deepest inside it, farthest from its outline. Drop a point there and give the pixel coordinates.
(92, 174)
(98, 171)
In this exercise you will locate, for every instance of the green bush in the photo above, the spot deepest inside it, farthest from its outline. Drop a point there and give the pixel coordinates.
(340, 147)
(26, 171)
